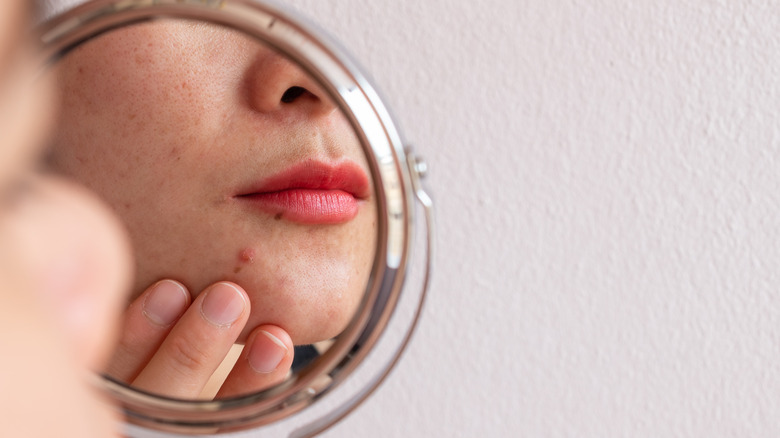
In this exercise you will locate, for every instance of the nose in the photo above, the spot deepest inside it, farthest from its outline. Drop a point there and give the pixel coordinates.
(276, 84)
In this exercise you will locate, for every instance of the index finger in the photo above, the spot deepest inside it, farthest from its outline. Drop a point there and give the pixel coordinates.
(147, 321)
(197, 344)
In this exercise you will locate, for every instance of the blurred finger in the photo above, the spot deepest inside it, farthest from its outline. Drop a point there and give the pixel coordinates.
(147, 321)
(78, 258)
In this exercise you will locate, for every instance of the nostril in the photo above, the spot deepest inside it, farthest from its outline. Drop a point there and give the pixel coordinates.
(292, 94)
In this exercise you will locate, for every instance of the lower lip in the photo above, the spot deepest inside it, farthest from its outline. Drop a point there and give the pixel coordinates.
(307, 206)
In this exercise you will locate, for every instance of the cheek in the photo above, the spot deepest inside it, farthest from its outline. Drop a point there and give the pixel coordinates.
(140, 127)
(142, 87)
(127, 107)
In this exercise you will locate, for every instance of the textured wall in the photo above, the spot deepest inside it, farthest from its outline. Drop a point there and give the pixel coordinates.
(606, 175)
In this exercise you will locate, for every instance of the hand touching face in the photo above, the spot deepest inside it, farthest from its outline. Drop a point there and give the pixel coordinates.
(226, 162)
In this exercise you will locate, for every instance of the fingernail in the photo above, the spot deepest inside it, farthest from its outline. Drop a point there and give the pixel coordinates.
(223, 304)
(165, 303)
(267, 352)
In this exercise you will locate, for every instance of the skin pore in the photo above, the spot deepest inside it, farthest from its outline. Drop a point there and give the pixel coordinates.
(178, 122)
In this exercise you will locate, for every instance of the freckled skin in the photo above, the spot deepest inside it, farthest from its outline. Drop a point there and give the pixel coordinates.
(165, 120)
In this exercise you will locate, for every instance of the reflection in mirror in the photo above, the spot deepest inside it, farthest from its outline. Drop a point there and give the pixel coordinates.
(245, 191)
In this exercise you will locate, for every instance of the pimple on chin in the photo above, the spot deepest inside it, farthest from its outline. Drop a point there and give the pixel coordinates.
(247, 255)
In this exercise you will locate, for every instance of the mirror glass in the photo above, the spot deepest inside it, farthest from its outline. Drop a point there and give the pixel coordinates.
(232, 169)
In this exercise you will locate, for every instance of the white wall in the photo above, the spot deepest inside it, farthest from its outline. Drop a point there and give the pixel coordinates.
(607, 178)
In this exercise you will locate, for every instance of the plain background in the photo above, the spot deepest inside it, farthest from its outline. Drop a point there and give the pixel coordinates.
(607, 190)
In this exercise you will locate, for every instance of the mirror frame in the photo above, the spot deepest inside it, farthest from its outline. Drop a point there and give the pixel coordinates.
(396, 174)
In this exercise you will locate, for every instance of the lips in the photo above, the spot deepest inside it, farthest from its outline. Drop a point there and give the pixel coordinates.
(311, 192)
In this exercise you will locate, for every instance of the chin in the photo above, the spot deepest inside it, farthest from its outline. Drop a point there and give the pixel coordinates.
(304, 331)
(306, 322)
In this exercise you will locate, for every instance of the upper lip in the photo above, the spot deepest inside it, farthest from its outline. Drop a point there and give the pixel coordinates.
(315, 175)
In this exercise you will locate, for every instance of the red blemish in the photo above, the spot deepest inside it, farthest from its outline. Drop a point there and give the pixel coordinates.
(247, 255)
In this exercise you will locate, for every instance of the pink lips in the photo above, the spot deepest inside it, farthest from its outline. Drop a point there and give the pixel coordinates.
(311, 192)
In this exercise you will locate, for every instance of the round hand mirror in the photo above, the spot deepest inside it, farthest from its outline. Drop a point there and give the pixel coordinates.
(269, 199)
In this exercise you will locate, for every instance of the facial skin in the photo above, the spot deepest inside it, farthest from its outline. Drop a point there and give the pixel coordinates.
(170, 122)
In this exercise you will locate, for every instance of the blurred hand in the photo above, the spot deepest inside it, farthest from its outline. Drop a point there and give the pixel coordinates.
(64, 265)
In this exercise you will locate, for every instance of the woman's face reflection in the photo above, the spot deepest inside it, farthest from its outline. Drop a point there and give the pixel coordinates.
(226, 162)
